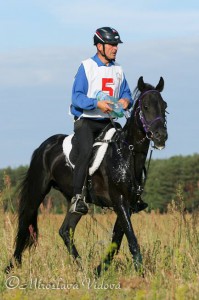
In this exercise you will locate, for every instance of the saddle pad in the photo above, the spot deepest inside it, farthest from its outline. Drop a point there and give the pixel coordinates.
(67, 147)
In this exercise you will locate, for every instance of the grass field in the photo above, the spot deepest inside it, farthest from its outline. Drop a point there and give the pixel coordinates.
(169, 244)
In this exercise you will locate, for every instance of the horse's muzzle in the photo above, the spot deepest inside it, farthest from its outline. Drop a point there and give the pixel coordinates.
(159, 138)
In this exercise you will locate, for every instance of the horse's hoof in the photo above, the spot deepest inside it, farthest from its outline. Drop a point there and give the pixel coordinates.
(14, 262)
(9, 268)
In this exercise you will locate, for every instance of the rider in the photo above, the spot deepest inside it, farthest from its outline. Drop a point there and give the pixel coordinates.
(98, 73)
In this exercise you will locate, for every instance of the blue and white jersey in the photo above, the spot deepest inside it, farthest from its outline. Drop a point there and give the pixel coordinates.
(93, 76)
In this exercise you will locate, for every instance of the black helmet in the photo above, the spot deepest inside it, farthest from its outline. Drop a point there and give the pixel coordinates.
(106, 35)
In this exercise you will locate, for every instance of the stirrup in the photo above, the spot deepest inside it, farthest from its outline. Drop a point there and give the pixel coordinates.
(78, 205)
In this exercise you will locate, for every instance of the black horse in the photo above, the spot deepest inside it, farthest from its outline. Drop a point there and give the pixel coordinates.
(120, 174)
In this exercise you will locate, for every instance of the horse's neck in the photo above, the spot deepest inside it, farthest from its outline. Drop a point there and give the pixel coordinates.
(136, 136)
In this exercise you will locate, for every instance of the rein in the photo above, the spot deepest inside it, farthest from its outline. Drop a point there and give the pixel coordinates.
(139, 186)
(147, 129)
(119, 139)
(146, 126)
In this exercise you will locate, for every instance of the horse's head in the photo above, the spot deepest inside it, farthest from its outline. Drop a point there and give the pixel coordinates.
(152, 108)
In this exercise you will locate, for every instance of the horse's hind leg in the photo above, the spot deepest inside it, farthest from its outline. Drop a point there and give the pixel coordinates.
(118, 234)
(67, 231)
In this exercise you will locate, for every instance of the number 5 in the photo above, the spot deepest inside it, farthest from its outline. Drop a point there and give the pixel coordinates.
(106, 82)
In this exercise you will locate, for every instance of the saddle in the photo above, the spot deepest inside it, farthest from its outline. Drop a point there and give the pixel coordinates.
(70, 147)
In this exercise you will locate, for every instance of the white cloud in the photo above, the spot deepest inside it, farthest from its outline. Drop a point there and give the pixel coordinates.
(32, 68)
(44, 77)
(57, 66)
(129, 18)
(160, 39)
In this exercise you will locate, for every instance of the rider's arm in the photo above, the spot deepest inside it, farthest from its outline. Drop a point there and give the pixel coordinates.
(125, 92)
(79, 91)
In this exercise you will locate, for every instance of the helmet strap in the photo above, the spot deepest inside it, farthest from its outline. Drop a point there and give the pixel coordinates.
(104, 54)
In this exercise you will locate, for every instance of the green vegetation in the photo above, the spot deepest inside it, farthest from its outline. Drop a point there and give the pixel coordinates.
(165, 177)
(169, 245)
(168, 241)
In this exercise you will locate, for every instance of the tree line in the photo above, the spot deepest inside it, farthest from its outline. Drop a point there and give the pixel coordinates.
(165, 180)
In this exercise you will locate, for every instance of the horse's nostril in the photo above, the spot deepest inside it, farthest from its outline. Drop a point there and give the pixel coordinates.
(156, 134)
(161, 134)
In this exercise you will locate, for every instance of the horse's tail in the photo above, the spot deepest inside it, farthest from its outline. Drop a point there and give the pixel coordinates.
(33, 188)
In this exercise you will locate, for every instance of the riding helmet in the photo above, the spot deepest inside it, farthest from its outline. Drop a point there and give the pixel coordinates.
(107, 35)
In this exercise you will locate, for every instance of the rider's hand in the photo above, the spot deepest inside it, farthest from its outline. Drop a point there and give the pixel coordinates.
(104, 106)
(125, 102)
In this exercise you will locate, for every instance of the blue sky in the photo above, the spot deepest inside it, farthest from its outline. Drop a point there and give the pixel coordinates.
(44, 41)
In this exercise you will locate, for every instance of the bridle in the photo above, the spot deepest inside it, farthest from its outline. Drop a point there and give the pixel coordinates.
(148, 135)
(147, 125)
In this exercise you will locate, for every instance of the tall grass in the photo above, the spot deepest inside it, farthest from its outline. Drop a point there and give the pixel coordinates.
(169, 244)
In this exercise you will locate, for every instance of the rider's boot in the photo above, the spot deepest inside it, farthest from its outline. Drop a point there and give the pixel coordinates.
(78, 205)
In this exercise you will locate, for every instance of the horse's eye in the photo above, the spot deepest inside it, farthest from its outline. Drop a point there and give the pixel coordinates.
(145, 107)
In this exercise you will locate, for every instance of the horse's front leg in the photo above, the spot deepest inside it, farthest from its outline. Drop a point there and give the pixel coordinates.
(118, 234)
(123, 212)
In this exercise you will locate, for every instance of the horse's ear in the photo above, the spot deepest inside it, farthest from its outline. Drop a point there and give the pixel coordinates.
(160, 85)
(141, 84)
